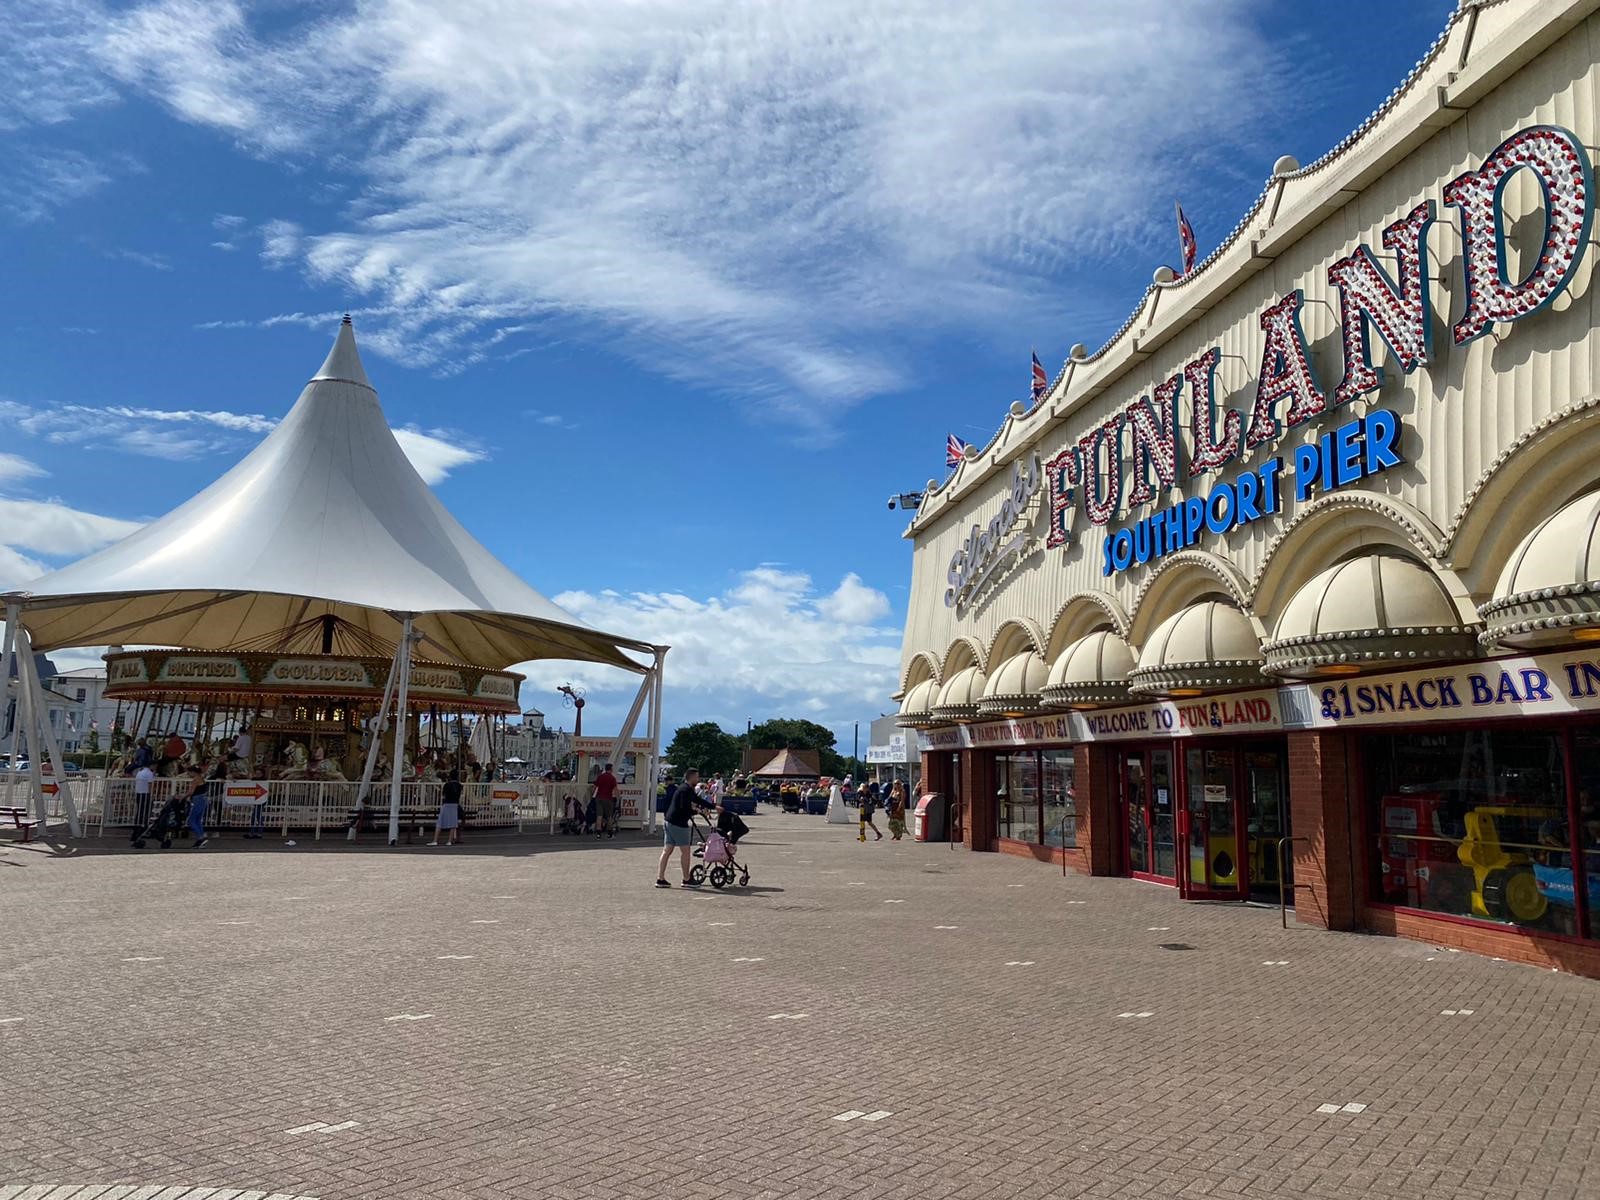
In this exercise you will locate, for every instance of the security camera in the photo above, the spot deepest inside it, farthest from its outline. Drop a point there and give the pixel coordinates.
(891, 503)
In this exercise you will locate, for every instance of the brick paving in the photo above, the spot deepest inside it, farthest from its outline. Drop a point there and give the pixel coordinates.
(531, 1018)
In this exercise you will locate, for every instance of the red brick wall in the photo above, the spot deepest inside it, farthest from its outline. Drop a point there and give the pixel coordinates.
(1513, 944)
(1076, 859)
(1094, 785)
(979, 821)
(1323, 792)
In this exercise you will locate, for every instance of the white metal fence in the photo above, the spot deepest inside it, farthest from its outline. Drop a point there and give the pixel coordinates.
(303, 806)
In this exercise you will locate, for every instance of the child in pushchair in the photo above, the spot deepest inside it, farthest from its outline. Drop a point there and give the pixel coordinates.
(169, 821)
(717, 851)
(572, 816)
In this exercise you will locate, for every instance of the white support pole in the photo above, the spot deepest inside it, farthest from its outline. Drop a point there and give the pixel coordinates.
(648, 818)
(382, 720)
(400, 730)
(13, 622)
(47, 737)
(620, 746)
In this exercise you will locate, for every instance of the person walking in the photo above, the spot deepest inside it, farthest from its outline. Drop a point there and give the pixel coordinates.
(681, 806)
(199, 804)
(867, 802)
(449, 819)
(605, 798)
(142, 779)
(897, 810)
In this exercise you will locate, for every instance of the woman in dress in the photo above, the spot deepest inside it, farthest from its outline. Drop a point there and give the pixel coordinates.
(449, 821)
(897, 810)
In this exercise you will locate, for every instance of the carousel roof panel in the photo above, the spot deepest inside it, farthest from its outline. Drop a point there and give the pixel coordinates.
(326, 516)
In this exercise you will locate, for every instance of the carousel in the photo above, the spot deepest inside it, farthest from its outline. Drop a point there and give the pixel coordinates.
(326, 623)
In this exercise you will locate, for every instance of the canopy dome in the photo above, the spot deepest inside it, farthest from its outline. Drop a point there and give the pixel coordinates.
(914, 709)
(1092, 670)
(325, 516)
(1013, 689)
(1209, 646)
(1371, 611)
(1549, 591)
(959, 695)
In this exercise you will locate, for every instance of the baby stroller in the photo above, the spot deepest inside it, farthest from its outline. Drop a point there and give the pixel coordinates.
(169, 821)
(716, 852)
(572, 817)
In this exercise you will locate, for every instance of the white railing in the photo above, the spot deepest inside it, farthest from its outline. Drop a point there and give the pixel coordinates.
(300, 805)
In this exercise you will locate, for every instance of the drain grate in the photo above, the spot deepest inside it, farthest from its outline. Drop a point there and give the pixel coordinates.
(1176, 946)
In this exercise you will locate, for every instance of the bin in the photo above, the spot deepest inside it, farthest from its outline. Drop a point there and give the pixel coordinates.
(930, 821)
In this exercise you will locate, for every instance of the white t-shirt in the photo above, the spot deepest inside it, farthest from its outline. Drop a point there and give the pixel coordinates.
(142, 780)
(242, 745)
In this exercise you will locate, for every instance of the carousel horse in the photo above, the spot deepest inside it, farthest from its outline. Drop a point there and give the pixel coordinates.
(298, 759)
(323, 767)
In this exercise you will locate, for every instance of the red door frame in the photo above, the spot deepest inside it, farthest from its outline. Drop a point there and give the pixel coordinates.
(1125, 850)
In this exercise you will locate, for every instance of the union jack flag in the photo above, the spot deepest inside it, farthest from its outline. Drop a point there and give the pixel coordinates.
(1186, 237)
(954, 450)
(1041, 381)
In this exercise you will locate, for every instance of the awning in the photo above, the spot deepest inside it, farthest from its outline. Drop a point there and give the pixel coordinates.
(1091, 671)
(1208, 647)
(915, 709)
(1370, 612)
(1549, 592)
(1013, 688)
(958, 698)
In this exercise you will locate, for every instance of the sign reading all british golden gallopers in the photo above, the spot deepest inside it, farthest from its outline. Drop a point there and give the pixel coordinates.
(196, 674)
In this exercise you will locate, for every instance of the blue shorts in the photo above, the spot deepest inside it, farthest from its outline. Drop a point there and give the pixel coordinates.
(675, 835)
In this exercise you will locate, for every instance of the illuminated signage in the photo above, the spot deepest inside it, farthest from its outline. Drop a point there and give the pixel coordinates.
(1143, 440)
(987, 547)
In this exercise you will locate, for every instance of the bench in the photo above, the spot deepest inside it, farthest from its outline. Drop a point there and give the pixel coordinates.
(20, 819)
(413, 820)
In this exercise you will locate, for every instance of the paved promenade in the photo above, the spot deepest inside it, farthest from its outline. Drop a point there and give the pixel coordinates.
(532, 1018)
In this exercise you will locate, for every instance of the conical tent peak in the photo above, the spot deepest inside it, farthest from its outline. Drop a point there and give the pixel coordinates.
(344, 360)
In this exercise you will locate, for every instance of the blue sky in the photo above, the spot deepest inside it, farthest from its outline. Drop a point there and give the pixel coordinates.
(667, 298)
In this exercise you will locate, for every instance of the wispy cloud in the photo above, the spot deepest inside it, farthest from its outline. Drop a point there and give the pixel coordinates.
(436, 452)
(792, 196)
(156, 262)
(14, 467)
(38, 180)
(180, 434)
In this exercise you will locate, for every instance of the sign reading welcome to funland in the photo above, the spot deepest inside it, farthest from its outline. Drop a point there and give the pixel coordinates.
(1242, 712)
(1287, 393)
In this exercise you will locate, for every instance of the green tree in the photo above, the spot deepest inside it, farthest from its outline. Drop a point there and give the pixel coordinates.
(92, 743)
(705, 745)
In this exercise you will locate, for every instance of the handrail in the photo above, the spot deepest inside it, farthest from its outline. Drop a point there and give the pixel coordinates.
(1283, 904)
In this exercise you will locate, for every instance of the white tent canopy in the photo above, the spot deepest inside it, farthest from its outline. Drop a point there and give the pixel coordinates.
(326, 515)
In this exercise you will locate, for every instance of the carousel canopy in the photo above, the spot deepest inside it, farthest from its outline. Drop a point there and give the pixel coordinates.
(326, 516)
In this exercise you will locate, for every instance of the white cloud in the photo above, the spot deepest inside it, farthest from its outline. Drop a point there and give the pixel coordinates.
(769, 197)
(156, 262)
(45, 61)
(770, 644)
(151, 432)
(17, 568)
(434, 454)
(37, 181)
(50, 527)
(14, 467)
(854, 603)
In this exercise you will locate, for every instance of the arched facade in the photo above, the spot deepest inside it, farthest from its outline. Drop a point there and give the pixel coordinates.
(1306, 546)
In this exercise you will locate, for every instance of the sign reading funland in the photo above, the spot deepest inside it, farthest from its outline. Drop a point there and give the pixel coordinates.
(1146, 434)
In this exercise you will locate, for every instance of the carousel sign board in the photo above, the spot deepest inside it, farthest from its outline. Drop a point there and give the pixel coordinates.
(197, 669)
(318, 675)
(599, 747)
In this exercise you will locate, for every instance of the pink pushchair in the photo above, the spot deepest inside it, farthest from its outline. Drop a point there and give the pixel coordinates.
(718, 862)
